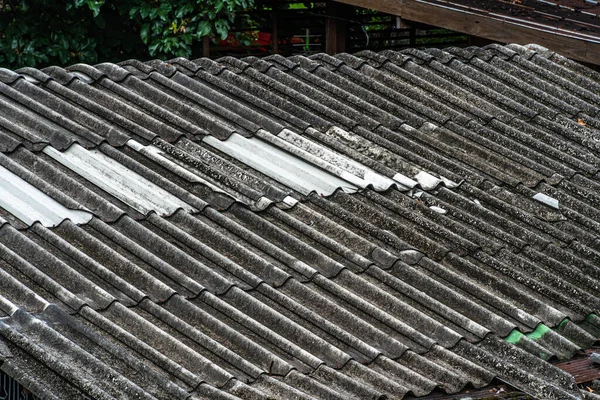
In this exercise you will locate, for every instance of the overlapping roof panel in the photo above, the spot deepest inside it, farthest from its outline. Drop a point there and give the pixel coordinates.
(364, 226)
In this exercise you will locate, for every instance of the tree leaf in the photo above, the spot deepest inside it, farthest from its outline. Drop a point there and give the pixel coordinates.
(154, 48)
(133, 11)
(144, 33)
(203, 29)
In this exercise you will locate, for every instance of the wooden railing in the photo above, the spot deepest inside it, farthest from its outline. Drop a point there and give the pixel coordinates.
(290, 27)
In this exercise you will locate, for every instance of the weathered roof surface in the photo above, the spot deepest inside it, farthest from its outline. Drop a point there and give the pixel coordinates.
(362, 226)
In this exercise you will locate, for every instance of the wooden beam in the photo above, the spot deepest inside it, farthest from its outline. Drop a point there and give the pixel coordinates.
(489, 27)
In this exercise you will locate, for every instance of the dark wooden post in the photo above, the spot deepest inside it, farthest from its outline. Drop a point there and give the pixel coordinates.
(413, 36)
(335, 27)
(206, 46)
(274, 33)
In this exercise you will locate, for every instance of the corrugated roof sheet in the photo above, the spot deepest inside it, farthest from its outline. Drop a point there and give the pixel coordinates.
(364, 226)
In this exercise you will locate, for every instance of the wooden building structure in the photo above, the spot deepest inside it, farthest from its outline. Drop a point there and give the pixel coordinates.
(289, 27)
(570, 27)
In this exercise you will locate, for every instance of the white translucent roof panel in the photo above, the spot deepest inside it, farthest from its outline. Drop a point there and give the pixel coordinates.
(118, 180)
(30, 205)
(280, 165)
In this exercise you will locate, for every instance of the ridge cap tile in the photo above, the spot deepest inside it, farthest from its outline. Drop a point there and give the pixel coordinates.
(283, 62)
(91, 71)
(113, 71)
(234, 64)
(327, 61)
(377, 60)
(394, 56)
(304, 62)
(44, 76)
(351, 60)
(7, 76)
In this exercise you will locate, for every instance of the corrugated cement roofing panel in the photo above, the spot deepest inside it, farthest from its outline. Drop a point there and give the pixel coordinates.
(247, 283)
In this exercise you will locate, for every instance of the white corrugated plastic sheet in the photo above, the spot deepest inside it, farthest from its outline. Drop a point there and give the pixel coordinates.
(280, 165)
(31, 205)
(337, 164)
(118, 180)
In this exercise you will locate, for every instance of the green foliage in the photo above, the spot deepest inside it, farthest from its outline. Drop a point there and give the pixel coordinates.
(43, 32)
